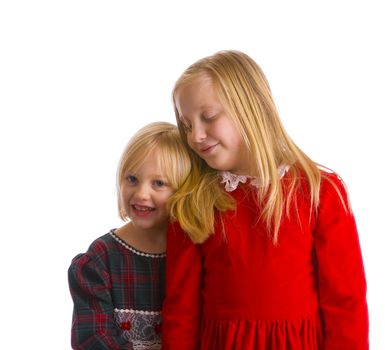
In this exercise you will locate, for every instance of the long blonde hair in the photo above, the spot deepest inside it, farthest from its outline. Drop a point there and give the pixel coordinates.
(245, 94)
(164, 139)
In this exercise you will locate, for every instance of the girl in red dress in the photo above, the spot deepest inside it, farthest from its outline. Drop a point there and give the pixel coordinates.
(264, 252)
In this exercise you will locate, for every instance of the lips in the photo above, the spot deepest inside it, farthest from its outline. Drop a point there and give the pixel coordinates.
(207, 148)
(142, 210)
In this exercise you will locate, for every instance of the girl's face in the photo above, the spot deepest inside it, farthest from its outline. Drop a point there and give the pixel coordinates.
(144, 195)
(211, 133)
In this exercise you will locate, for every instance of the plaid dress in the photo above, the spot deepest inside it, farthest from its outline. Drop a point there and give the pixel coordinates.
(117, 293)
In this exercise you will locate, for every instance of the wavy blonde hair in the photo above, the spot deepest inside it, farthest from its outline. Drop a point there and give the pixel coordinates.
(245, 94)
(164, 139)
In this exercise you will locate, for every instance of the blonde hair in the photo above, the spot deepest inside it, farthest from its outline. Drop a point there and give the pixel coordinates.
(245, 94)
(164, 139)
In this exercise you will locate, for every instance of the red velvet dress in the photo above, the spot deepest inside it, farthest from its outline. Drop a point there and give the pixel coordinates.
(241, 292)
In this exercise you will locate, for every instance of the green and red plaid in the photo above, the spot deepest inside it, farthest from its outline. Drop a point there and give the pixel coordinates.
(113, 276)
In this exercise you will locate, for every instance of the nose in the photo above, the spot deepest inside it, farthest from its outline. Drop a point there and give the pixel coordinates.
(142, 192)
(198, 133)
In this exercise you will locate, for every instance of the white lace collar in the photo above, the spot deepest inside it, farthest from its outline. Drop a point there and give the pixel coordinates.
(232, 181)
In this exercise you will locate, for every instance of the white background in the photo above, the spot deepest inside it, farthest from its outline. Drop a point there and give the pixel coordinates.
(77, 78)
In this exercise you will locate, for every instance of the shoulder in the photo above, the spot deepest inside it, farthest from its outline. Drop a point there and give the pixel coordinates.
(330, 176)
(175, 231)
(328, 183)
(97, 252)
(177, 238)
(328, 187)
(333, 196)
(92, 267)
(102, 245)
(332, 184)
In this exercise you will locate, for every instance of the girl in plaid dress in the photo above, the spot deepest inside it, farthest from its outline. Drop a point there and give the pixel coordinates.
(118, 285)
(265, 252)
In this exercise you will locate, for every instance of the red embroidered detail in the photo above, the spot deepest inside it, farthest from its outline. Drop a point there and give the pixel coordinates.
(125, 325)
(158, 328)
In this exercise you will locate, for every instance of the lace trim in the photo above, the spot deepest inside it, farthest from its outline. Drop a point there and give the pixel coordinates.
(232, 181)
(141, 328)
(143, 312)
(132, 249)
(146, 345)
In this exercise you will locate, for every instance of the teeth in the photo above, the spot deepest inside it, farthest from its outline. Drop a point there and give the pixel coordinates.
(143, 208)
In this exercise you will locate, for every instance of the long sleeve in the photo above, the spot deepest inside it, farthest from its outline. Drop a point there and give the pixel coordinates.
(93, 325)
(182, 307)
(341, 276)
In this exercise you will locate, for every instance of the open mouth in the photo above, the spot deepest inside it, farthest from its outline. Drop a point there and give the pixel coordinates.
(142, 210)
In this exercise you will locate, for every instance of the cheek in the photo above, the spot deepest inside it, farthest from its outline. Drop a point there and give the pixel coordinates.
(189, 141)
(234, 134)
(164, 198)
(124, 195)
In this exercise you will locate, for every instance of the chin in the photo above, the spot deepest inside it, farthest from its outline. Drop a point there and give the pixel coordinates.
(214, 165)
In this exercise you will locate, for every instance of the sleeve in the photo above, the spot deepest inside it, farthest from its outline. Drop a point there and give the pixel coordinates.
(341, 276)
(182, 306)
(93, 325)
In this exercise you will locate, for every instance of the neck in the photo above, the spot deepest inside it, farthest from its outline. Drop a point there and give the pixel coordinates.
(146, 240)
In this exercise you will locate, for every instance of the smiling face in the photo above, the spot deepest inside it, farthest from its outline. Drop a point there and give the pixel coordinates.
(144, 195)
(210, 131)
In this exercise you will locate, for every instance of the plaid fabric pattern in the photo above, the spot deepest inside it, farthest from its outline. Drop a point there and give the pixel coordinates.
(112, 275)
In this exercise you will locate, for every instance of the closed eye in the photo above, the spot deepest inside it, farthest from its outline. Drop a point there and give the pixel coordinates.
(209, 116)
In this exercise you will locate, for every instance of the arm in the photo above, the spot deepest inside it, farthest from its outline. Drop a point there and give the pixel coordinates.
(341, 276)
(93, 325)
(182, 307)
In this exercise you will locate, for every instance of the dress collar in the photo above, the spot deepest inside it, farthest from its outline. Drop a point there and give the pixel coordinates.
(232, 181)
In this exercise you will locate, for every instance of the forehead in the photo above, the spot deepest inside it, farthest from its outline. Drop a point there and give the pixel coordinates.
(200, 94)
(156, 164)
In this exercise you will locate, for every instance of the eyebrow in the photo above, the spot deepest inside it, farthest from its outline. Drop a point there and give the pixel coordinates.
(205, 107)
(208, 107)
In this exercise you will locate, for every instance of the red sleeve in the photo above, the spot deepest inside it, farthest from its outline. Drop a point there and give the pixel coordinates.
(341, 276)
(182, 306)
